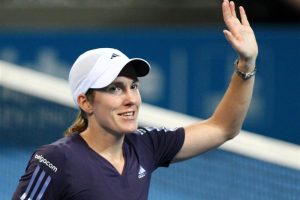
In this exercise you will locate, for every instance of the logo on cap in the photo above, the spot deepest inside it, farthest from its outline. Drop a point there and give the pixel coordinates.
(114, 55)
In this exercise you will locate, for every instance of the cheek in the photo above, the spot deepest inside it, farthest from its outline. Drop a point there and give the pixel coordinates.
(102, 104)
(106, 106)
(139, 98)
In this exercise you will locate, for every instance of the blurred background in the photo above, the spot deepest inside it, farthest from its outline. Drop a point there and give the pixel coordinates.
(191, 64)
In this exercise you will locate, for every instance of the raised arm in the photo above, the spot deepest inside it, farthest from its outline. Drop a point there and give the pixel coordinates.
(226, 122)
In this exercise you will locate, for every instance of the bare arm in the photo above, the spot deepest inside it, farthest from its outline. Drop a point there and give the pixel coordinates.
(226, 122)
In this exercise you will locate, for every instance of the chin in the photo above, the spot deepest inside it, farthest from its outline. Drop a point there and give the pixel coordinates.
(127, 126)
(129, 129)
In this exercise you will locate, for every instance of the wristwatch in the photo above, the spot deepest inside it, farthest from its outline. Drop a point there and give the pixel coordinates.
(243, 75)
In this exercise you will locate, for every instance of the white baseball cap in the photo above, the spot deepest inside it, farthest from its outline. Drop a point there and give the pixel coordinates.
(98, 68)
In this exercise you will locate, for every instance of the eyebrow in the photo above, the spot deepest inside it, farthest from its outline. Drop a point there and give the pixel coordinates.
(115, 83)
(121, 82)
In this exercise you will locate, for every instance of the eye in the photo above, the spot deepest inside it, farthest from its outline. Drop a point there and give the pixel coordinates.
(113, 89)
(135, 86)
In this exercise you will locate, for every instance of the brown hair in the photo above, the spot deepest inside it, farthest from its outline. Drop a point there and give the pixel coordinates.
(81, 121)
(80, 124)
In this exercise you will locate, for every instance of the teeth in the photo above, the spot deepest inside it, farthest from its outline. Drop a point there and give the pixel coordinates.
(128, 114)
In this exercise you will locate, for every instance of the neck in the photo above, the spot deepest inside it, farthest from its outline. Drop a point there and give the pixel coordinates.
(105, 144)
(108, 146)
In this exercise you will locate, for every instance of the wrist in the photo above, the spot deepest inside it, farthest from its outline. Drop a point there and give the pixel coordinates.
(245, 65)
(247, 72)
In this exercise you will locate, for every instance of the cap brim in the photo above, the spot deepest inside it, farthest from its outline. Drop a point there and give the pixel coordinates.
(141, 66)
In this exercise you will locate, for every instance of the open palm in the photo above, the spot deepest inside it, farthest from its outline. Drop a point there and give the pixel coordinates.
(239, 34)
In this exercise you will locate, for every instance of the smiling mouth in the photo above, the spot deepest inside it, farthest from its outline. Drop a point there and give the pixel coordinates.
(127, 115)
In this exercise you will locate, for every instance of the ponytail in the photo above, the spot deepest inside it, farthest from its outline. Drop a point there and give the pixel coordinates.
(80, 124)
(81, 121)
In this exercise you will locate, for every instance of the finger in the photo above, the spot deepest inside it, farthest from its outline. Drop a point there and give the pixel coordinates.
(228, 35)
(244, 18)
(232, 8)
(226, 10)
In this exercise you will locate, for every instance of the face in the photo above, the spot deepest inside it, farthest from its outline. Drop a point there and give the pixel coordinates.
(115, 108)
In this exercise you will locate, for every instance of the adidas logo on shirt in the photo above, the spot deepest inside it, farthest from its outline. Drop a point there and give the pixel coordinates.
(142, 172)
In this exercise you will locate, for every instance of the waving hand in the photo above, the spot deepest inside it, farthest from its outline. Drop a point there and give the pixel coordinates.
(239, 34)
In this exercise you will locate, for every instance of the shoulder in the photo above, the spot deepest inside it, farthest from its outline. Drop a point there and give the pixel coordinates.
(158, 132)
(158, 144)
(45, 173)
(153, 136)
(50, 157)
(54, 154)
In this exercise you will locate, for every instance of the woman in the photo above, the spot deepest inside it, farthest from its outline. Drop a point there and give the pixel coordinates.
(104, 155)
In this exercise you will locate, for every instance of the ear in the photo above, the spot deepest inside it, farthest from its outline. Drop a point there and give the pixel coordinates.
(84, 103)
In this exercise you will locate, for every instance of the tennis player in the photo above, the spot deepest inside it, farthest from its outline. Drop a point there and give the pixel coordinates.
(104, 155)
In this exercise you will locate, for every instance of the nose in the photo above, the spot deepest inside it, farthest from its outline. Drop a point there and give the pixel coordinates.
(131, 97)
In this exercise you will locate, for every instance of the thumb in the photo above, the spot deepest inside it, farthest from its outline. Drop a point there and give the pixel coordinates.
(230, 38)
